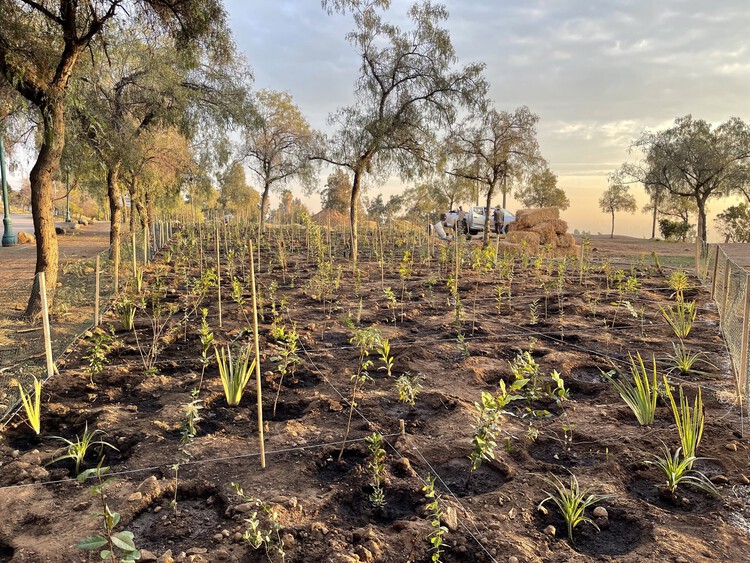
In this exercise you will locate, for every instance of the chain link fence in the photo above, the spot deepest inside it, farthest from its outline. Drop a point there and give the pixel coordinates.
(720, 268)
(72, 314)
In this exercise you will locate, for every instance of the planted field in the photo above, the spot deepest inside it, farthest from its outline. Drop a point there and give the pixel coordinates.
(470, 388)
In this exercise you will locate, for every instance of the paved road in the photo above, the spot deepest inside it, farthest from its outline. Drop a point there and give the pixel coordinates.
(23, 222)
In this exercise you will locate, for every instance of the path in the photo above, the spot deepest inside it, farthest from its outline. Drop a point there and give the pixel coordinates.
(18, 262)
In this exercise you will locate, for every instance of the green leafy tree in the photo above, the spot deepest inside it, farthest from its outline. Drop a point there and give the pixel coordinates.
(493, 149)
(616, 198)
(694, 160)
(734, 223)
(335, 194)
(41, 44)
(541, 189)
(235, 194)
(279, 147)
(408, 87)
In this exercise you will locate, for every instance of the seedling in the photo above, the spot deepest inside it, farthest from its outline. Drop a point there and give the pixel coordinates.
(376, 467)
(263, 529)
(680, 317)
(689, 421)
(365, 339)
(641, 393)
(288, 359)
(32, 407)
(384, 349)
(683, 360)
(488, 418)
(435, 515)
(119, 546)
(101, 344)
(408, 387)
(677, 469)
(571, 501)
(76, 450)
(234, 373)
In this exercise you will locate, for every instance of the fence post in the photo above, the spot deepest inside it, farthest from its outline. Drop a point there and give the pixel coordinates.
(713, 277)
(145, 246)
(45, 325)
(745, 334)
(96, 290)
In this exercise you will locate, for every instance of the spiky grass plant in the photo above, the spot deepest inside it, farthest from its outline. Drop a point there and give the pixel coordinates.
(235, 373)
(678, 282)
(677, 469)
(571, 501)
(32, 406)
(78, 448)
(689, 421)
(680, 317)
(683, 360)
(641, 393)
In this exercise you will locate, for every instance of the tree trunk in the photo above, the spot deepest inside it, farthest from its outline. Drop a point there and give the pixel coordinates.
(115, 210)
(486, 238)
(41, 176)
(612, 233)
(701, 227)
(353, 215)
(653, 222)
(263, 203)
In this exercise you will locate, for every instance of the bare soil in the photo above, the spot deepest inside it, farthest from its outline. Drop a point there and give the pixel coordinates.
(322, 504)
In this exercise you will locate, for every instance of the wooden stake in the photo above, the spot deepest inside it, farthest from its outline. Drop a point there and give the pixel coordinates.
(135, 257)
(723, 310)
(218, 272)
(257, 359)
(402, 427)
(45, 326)
(96, 291)
(116, 266)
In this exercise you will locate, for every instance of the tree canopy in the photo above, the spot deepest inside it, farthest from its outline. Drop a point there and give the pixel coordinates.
(617, 197)
(541, 189)
(494, 149)
(692, 159)
(408, 88)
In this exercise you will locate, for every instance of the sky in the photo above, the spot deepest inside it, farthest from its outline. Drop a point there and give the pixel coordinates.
(597, 73)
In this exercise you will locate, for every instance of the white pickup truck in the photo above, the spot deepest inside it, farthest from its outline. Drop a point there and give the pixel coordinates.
(473, 221)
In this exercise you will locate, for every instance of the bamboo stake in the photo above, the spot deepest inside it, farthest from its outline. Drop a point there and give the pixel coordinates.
(218, 272)
(45, 326)
(257, 359)
(135, 257)
(96, 290)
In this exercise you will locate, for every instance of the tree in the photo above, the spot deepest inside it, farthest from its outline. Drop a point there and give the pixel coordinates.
(407, 89)
(235, 194)
(335, 195)
(617, 198)
(384, 212)
(291, 210)
(493, 149)
(40, 47)
(734, 223)
(541, 190)
(279, 147)
(694, 160)
(426, 201)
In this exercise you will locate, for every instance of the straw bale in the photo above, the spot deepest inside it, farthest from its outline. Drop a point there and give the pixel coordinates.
(546, 232)
(566, 240)
(561, 227)
(518, 237)
(527, 218)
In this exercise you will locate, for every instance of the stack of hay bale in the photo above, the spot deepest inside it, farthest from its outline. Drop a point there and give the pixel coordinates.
(541, 228)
